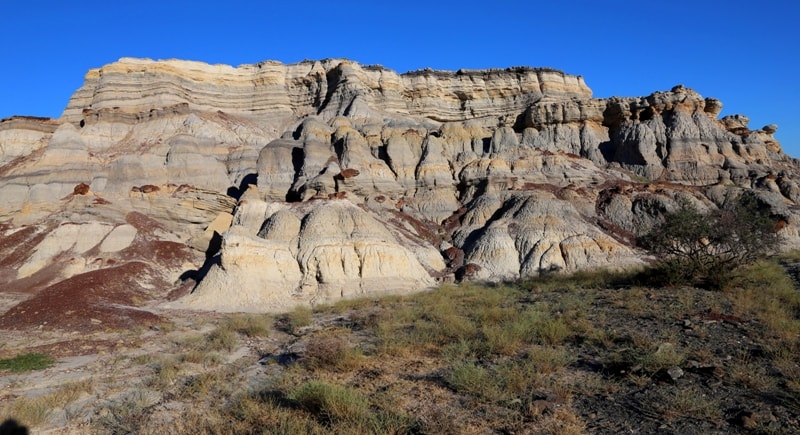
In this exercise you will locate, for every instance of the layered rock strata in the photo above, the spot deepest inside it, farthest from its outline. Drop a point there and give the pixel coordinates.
(306, 183)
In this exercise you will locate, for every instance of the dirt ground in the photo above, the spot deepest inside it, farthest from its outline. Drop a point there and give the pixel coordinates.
(643, 360)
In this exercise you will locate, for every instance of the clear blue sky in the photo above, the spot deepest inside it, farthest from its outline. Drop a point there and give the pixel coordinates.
(744, 53)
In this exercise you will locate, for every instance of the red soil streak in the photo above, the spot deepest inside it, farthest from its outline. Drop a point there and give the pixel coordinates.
(162, 253)
(14, 249)
(97, 300)
(146, 246)
(470, 270)
(454, 221)
(33, 283)
(426, 231)
(547, 187)
(21, 160)
(143, 223)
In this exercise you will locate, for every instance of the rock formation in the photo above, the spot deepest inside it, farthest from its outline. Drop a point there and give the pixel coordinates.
(266, 186)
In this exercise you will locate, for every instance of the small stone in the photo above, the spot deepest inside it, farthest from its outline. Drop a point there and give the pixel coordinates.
(746, 419)
(675, 373)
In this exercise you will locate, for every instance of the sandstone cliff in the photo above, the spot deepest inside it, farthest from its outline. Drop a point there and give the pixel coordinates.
(296, 184)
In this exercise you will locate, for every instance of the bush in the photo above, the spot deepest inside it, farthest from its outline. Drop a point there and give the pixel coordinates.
(330, 352)
(703, 249)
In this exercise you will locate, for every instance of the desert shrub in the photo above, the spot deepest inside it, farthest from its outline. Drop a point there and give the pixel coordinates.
(673, 403)
(549, 330)
(221, 339)
(474, 380)
(549, 359)
(704, 249)
(29, 411)
(127, 414)
(582, 279)
(251, 325)
(332, 403)
(70, 391)
(765, 291)
(292, 321)
(166, 370)
(215, 383)
(34, 411)
(666, 355)
(268, 414)
(330, 351)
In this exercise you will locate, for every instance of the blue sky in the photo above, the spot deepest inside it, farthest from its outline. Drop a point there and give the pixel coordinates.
(741, 52)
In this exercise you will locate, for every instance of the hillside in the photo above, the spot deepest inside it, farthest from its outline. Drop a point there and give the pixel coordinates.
(264, 187)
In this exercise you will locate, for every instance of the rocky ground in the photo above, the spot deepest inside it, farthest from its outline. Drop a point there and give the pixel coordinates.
(589, 354)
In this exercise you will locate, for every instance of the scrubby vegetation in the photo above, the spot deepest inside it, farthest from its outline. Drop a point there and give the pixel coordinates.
(589, 353)
(705, 248)
(26, 362)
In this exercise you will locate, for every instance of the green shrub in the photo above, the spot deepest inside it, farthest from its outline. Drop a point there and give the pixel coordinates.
(704, 249)
(334, 403)
(27, 362)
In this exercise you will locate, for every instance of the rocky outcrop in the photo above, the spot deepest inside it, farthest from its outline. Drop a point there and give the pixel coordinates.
(314, 253)
(134, 88)
(306, 183)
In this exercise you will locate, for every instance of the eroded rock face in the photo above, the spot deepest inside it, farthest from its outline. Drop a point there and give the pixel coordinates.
(307, 183)
(310, 253)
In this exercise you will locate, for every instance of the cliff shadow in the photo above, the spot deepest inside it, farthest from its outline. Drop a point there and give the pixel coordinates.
(197, 275)
(12, 427)
(298, 157)
(608, 150)
(236, 192)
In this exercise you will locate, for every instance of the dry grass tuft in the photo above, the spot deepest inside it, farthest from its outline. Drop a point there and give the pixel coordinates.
(331, 351)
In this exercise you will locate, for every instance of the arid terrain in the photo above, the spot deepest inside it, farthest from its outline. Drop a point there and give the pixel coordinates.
(329, 247)
(592, 353)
